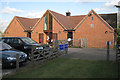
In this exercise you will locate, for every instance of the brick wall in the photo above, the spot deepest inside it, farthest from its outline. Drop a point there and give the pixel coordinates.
(15, 30)
(95, 35)
(38, 29)
(59, 30)
(55, 29)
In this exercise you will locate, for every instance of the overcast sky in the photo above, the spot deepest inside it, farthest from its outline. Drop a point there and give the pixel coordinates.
(36, 8)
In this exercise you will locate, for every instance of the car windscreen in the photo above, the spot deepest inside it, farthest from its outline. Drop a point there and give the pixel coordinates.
(4, 46)
(28, 41)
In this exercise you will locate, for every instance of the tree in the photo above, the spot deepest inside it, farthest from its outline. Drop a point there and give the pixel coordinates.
(1, 34)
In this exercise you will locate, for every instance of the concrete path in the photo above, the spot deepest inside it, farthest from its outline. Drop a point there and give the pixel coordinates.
(90, 53)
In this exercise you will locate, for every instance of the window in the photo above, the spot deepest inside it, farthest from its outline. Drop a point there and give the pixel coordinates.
(106, 32)
(4, 40)
(45, 22)
(92, 25)
(48, 22)
(92, 18)
(41, 37)
(29, 34)
(9, 41)
(28, 40)
(17, 41)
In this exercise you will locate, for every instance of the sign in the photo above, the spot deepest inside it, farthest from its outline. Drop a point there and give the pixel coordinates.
(109, 42)
(63, 46)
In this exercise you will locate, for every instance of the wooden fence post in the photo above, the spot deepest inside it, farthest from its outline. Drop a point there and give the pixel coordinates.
(85, 42)
(57, 45)
(81, 42)
(32, 56)
(17, 62)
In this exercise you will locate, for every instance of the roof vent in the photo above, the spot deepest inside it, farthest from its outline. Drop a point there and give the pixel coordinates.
(68, 13)
(30, 27)
(89, 14)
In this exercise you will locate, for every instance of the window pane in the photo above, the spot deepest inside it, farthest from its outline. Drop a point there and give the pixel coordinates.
(50, 21)
(45, 22)
(17, 41)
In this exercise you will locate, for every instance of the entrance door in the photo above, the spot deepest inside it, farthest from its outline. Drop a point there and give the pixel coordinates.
(41, 37)
(70, 35)
(29, 34)
(49, 38)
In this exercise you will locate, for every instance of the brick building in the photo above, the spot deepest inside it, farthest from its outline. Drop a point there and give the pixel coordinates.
(96, 28)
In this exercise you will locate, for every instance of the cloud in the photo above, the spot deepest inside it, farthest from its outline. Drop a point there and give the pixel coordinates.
(103, 9)
(111, 3)
(35, 14)
(108, 6)
(3, 24)
(55, 0)
(8, 10)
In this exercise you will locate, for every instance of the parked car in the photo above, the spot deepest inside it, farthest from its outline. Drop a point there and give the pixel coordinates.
(8, 55)
(24, 44)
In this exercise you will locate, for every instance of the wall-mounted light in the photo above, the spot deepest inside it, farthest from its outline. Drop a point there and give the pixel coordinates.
(106, 32)
(59, 32)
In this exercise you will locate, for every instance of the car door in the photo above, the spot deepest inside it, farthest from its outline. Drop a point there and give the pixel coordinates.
(18, 44)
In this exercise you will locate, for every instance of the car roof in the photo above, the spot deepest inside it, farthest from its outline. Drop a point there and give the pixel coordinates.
(14, 37)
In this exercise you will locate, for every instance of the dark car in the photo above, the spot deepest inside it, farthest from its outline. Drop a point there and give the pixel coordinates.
(8, 55)
(24, 44)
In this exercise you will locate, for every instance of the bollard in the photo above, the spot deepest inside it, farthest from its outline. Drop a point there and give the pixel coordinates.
(108, 51)
(17, 62)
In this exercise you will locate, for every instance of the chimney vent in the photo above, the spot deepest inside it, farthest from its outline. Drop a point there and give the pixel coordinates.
(68, 13)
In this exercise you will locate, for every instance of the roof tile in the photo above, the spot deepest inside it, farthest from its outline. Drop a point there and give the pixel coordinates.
(28, 23)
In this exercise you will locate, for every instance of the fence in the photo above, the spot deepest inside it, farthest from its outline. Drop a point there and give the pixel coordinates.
(78, 42)
(46, 54)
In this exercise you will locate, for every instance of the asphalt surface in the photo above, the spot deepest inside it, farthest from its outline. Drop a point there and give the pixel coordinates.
(90, 53)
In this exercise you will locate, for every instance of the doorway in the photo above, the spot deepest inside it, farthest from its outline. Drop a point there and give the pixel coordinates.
(29, 34)
(49, 37)
(70, 36)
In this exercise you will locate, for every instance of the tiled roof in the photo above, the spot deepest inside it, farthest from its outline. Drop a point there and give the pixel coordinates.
(28, 23)
(69, 22)
(111, 19)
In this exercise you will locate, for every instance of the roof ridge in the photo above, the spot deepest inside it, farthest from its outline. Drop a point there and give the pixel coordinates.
(55, 12)
(108, 14)
(77, 15)
(26, 17)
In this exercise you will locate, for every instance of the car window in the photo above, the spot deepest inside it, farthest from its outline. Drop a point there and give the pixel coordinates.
(4, 40)
(28, 40)
(4, 46)
(17, 41)
(10, 41)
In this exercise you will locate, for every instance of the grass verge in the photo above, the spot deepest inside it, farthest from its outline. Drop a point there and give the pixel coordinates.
(70, 68)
